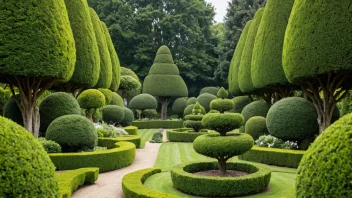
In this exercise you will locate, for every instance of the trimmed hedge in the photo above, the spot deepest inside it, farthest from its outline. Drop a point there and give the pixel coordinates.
(184, 180)
(132, 185)
(155, 124)
(70, 180)
(110, 142)
(120, 155)
(131, 130)
(273, 156)
(182, 135)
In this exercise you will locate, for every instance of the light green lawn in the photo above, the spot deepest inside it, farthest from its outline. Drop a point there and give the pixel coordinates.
(146, 135)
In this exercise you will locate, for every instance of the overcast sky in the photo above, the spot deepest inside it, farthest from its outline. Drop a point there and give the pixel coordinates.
(220, 9)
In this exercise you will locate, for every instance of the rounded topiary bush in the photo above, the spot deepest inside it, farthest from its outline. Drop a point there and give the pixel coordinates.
(112, 114)
(116, 99)
(222, 123)
(210, 90)
(179, 106)
(12, 111)
(191, 100)
(189, 108)
(256, 126)
(128, 117)
(292, 118)
(91, 99)
(325, 169)
(73, 133)
(56, 105)
(150, 113)
(205, 99)
(143, 101)
(256, 108)
(26, 169)
(108, 95)
(50, 146)
(240, 102)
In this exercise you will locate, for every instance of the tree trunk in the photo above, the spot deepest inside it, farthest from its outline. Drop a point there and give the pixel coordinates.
(164, 103)
(222, 165)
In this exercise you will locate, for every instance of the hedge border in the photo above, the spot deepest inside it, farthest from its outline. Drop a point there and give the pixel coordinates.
(70, 180)
(155, 124)
(274, 156)
(132, 185)
(120, 155)
(255, 182)
(131, 130)
(110, 142)
(181, 135)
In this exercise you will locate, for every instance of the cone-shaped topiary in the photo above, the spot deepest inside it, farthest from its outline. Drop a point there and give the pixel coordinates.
(325, 169)
(179, 106)
(116, 99)
(255, 108)
(143, 101)
(164, 80)
(105, 75)
(108, 95)
(256, 126)
(128, 117)
(191, 100)
(12, 111)
(240, 102)
(205, 100)
(194, 120)
(244, 72)
(112, 114)
(188, 110)
(26, 169)
(211, 90)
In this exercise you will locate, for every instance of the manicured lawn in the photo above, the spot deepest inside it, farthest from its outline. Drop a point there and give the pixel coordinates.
(146, 135)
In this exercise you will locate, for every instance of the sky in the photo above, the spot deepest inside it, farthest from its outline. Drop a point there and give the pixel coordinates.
(220, 9)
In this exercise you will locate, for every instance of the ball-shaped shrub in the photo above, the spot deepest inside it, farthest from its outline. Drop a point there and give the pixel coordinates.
(128, 117)
(256, 108)
(116, 99)
(56, 105)
(205, 99)
(256, 126)
(222, 123)
(240, 102)
(150, 113)
(325, 169)
(12, 111)
(26, 169)
(73, 133)
(221, 105)
(191, 100)
(179, 106)
(143, 101)
(188, 110)
(91, 99)
(108, 95)
(50, 146)
(210, 90)
(112, 114)
(292, 118)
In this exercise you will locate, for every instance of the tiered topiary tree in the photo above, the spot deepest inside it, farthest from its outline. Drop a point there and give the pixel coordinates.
(317, 53)
(143, 102)
(211, 90)
(179, 106)
(188, 110)
(90, 100)
(164, 80)
(194, 120)
(205, 100)
(35, 54)
(129, 82)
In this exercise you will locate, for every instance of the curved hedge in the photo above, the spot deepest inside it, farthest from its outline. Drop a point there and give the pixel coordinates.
(121, 155)
(132, 185)
(256, 108)
(184, 180)
(205, 99)
(155, 124)
(110, 142)
(273, 156)
(143, 101)
(131, 130)
(182, 135)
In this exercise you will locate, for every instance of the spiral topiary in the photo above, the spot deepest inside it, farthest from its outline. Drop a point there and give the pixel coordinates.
(194, 120)
(179, 106)
(205, 99)
(56, 105)
(256, 108)
(188, 110)
(128, 117)
(222, 122)
(26, 169)
(325, 169)
(73, 132)
(112, 114)
(240, 102)
(143, 101)
(191, 100)
(116, 100)
(292, 118)
(256, 126)
(12, 111)
(108, 95)
(222, 104)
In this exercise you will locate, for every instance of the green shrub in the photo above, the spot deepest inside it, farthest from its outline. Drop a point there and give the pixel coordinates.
(112, 114)
(210, 90)
(256, 108)
(108, 95)
(116, 100)
(205, 99)
(179, 106)
(155, 124)
(270, 141)
(12, 111)
(194, 120)
(256, 126)
(106, 130)
(56, 105)
(222, 105)
(328, 161)
(292, 118)
(91, 99)
(182, 135)
(73, 133)
(128, 117)
(157, 137)
(131, 130)
(191, 100)
(50, 146)
(143, 101)
(273, 156)
(150, 113)
(26, 170)
(4, 97)
(188, 110)
(240, 102)
(222, 123)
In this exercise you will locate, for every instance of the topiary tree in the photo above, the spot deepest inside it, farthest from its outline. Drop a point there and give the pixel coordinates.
(179, 106)
(256, 108)
(292, 118)
(256, 127)
(37, 53)
(74, 133)
(188, 110)
(328, 160)
(211, 90)
(105, 74)
(317, 55)
(129, 82)
(108, 95)
(91, 99)
(116, 99)
(164, 80)
(56, 105)
(194, 120)
(150, 113)
(12, 111)
(191, 100)
(142, 102)
(26, 169)
(240, 102)
(205, 99)
(222, 104)
(128, 117)
(112, 114)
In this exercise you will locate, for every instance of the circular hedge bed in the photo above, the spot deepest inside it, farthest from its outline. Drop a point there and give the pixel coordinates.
(255, 182)
(183, 135)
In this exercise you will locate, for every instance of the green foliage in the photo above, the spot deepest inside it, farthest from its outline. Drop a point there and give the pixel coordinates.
(42, 43)
(87, 67)
(197, 109)
(256, 108)
(266, 66)
(155, 124)
(106, 130)
(273, 156)
(12, 111)
(182, 135)
(322, 44)
(179, 106)
(196, 125)
(128, 117)
(73, 133)
(292, 118)
(132, 130)
(116, 99)
(240, 102)
(150, 113)
(270, 141)
(210, 90)
(256, 126)
(188, 110)
(129, 82)
(143, 101)
(108, 95)
(91, 99)
(255, 182)
(346, 104)
(50, 146)
(222, 93)
(4, 97)
(56, 105)
(221, 105)
(105, 74)
(120, 155)
(191, 100)
(113, 114)
(157, 137)
(26, 170)
(205, 99)
(222, 123)
(244, 71)
(328, 160)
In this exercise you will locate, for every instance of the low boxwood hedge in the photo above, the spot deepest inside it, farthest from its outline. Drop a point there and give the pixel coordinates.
(132, 185)
(182, 135)
(120, 155)
(70, 180)
(184, 180)
(155, 124)
(132, 130)
(274, 156)
(110, 142)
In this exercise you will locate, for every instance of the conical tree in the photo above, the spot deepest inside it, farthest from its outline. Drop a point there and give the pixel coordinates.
(36, 49)
(105, 75)
(164, 80)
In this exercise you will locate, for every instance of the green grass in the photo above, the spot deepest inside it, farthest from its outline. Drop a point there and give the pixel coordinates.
(146, 135)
